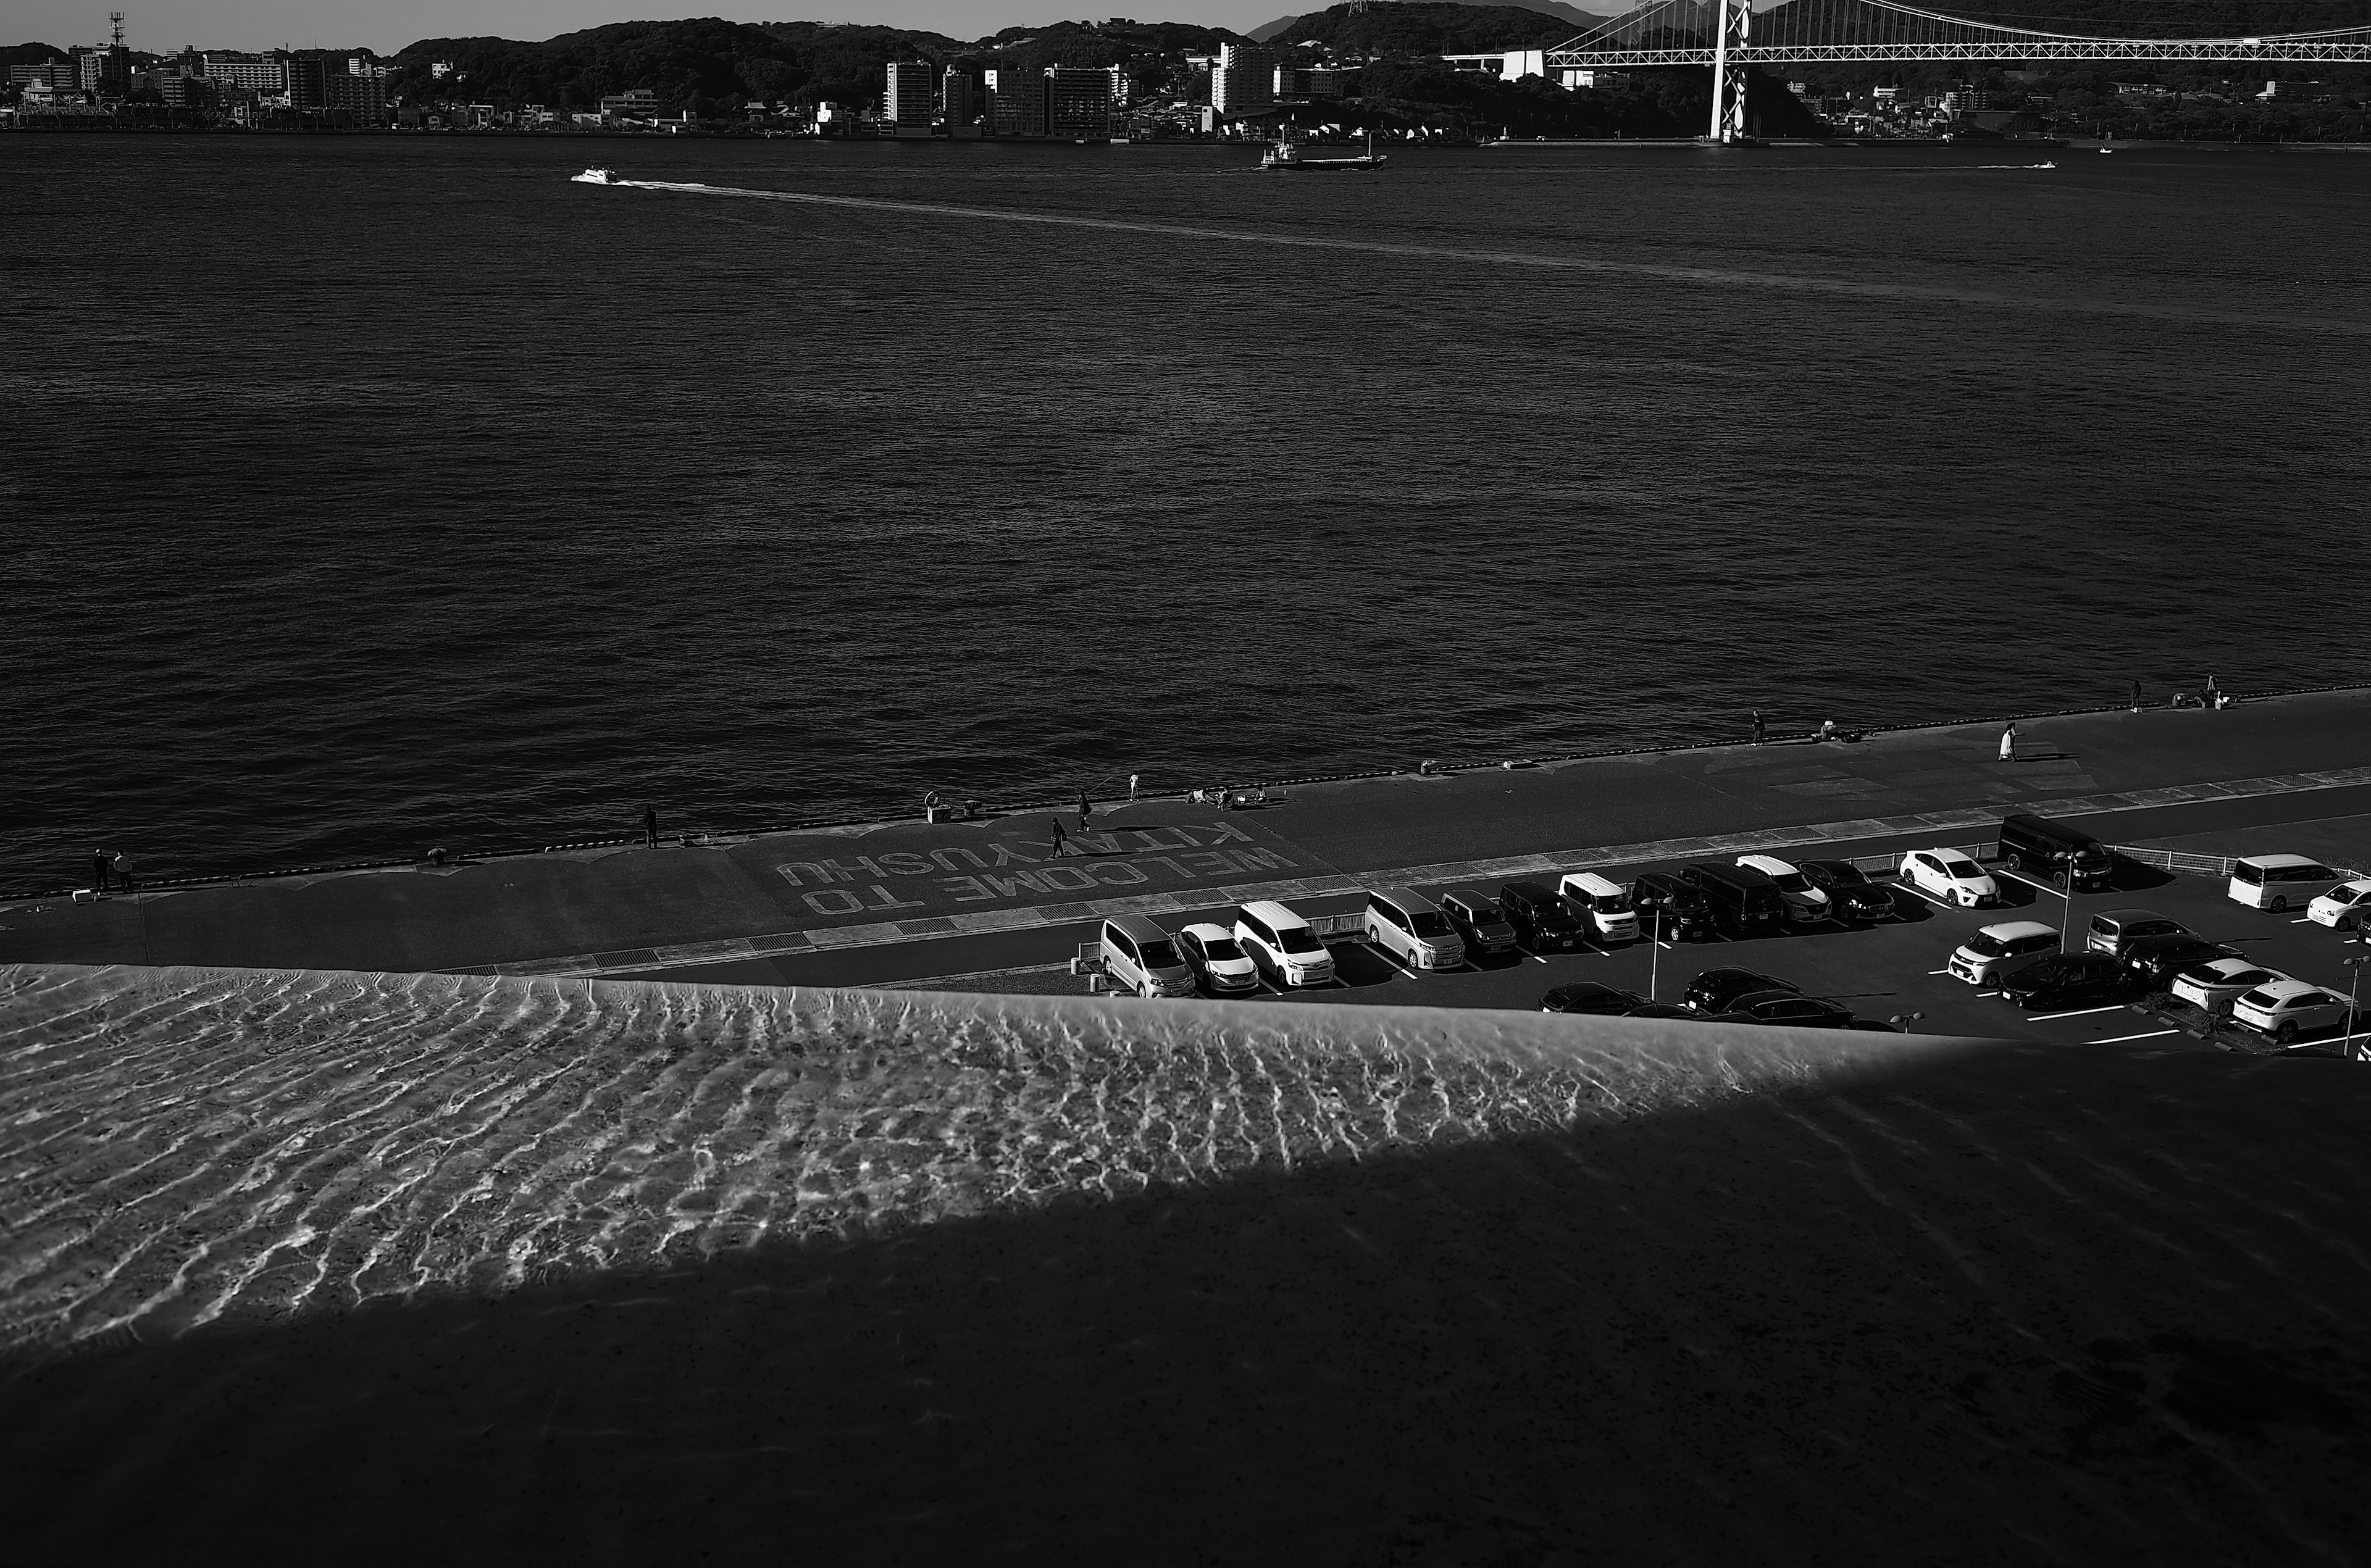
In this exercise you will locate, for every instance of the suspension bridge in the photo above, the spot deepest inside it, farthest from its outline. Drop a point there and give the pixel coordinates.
(1731, 37)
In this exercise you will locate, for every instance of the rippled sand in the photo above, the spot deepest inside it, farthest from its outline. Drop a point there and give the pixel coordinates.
(177, 1146)
(506, 1271)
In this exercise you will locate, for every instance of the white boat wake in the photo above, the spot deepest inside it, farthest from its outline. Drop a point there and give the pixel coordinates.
(1715, 276)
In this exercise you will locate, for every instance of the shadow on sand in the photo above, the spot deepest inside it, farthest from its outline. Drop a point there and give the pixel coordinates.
(2015, 1304)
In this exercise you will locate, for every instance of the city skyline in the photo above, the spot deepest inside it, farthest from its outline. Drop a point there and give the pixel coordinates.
(339, 24)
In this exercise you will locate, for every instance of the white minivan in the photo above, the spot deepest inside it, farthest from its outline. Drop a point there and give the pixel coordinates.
(1413, 929)
(1600, 904)
(2276, 882)
(1139, 955)
(1283, 945)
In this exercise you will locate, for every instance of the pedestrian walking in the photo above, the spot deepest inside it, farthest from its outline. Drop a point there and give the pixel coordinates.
(649, 827)
(1086, 811)
(2008, 743)
(1133, 779)
(122, 865)
(1759, 729)
(1061, 840)
(2136, 697)
(98, 869)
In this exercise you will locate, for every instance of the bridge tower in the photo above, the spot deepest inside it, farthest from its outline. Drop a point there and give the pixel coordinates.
(1728, 68)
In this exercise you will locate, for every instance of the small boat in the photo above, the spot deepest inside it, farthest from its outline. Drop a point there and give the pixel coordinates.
(1287, 155)
(594, 177)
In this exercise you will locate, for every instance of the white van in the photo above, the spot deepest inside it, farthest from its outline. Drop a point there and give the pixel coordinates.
(1411, 928)
(1139, 955)
(1600, 904)
(1282, 944)
(2276, 882)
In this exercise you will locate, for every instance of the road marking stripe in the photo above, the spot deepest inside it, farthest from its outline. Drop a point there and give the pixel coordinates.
(2079, 1012)
(2120, 1039)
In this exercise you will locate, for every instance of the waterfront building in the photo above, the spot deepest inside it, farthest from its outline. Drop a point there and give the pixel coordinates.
(1016, 102)
(635, 103)
(106, 69)
(959, 100)
(246, 73)
(1078, 104)
(907, 103)
(60, 73)
(1243, 80)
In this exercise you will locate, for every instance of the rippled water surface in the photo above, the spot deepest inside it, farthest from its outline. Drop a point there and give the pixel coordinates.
(367, 494)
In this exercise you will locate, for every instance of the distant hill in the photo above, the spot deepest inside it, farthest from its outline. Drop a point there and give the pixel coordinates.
(1433, 26)
(1574, 20)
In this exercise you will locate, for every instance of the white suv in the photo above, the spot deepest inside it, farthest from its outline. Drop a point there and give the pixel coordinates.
(2282, 1008)
(1804, 901)
(1282, 944)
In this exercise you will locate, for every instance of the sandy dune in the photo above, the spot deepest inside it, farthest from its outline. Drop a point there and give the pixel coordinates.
(373, 1266)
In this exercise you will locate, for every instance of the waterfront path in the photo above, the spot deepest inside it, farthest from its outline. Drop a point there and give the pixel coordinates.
(793, 908)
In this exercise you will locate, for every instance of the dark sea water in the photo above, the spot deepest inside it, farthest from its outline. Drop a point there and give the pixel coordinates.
(365, 495)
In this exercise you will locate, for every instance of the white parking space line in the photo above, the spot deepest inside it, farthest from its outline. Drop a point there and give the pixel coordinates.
(2120, 1039)
(2079, 1012)
(1938, 972)
(1940, 903)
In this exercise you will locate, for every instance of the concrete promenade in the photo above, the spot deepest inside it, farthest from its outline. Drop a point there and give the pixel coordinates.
(770, 909)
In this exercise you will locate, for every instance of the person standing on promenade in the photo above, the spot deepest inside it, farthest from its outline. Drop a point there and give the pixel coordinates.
(1759, 729)
(2136, 697)
(122, 865)
(2008, 743)
(649, 827)
(98, 869)
(1133, 778)
(1086, 811)
(1061, 840)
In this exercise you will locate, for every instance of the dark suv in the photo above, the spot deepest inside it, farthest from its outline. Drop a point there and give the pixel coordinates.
(1850, 892)
(2151, 963)
(1542, 922)
(1668, 906)
(2064, 977)
(1745, 903)
(1713, 990)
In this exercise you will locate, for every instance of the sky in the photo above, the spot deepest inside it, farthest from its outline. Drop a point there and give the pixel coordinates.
(163, 25)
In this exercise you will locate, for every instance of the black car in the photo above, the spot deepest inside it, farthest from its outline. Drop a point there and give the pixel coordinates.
(1745, 903)
(1542, 922)
(2059, 978)
(1787, 1008)
(1713, 990)
(1670, 908)
(1850, 892)
(1588, 997)
(2151, 963)
(1477, 921)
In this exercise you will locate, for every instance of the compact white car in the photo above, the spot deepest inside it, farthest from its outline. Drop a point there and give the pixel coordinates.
(1804, 901)
(2216, 983)
(2284, 1009)
(1218, 958)
(1602, 905)
(1951, 876)
(1282, 944)
(2276, 882)
(1984, 955)
(2342, 908)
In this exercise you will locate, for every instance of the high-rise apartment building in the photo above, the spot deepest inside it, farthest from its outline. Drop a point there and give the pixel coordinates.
(1016, 101)
(1243, 80)
(958, 97)
(248, 72)
(907, 104)
(1078, 104)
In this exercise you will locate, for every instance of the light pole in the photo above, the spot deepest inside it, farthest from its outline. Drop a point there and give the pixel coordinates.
(2355, 964)
(1655, 953)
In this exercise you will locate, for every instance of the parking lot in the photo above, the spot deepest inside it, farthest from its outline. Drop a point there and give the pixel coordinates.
(1886, 970)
